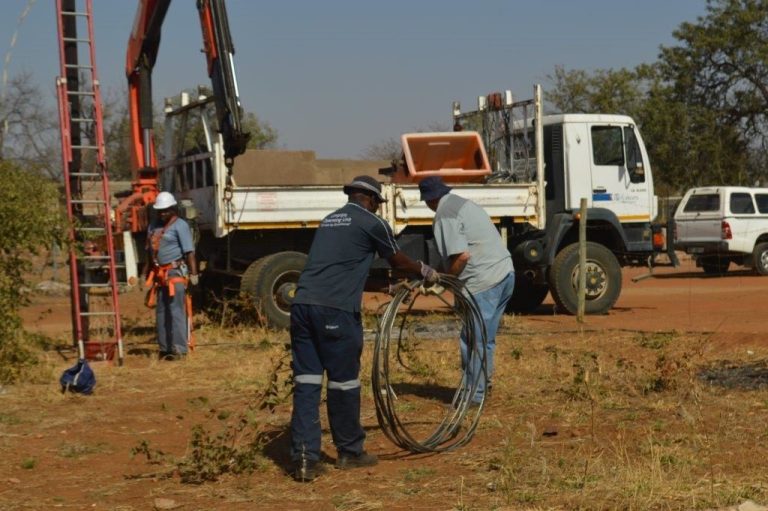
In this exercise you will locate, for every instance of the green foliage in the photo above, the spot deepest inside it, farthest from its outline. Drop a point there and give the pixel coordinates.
(688, 144)
(263, 136)
(702, 108)
(30, 219)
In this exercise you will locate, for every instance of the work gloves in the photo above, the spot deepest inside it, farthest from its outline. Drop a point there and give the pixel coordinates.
(194, 280)
(429, 274)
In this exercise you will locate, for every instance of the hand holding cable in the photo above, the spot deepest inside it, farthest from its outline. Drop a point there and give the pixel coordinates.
(429, 274)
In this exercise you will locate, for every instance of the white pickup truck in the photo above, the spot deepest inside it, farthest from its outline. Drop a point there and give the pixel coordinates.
(723, 225)
(256, 223)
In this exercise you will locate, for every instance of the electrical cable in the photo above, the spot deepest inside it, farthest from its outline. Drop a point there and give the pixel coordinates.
(448, 435)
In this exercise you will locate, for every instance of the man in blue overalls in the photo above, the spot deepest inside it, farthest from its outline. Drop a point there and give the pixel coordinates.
(171, 264)
(327, 331)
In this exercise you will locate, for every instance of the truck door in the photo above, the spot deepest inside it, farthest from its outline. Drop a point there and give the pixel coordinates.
(619, 180)
(698, 219)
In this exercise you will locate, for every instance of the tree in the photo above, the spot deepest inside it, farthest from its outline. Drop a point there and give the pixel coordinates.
(263, 136)
(688, 144)
(30, 218)
(29, 128)
(721, 68)
(722, 62)
(390, 149)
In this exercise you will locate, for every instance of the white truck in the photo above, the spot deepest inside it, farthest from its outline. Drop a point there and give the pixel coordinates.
(256, 223)
(720, 225)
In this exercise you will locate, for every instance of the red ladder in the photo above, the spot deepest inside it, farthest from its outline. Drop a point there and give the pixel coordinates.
(92, 263)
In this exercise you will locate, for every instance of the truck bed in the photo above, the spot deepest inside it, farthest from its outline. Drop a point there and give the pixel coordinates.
(281, 207)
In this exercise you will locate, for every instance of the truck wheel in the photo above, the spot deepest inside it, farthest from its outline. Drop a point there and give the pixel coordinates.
(603, 279)
(272, 280)
(760, 258)
(527, 296)
(715, 265)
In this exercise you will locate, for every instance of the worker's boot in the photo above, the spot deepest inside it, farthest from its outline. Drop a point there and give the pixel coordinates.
(348, 461)
(307, 470)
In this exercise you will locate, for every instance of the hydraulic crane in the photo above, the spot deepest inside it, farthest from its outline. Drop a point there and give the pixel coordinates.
(143, 46)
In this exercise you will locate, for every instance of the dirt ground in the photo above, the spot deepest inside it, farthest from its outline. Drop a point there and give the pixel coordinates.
(661, 404)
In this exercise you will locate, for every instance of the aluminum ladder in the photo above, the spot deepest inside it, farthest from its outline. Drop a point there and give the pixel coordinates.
(92, 264)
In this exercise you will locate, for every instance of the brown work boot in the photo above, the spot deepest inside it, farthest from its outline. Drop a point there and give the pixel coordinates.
(347, 461)
(307, 470)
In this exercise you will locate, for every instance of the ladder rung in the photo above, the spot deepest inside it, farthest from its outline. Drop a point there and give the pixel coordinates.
(82, 119)
(84, 174)
(106, 267)
(97, 313)
(96, 285)
(77, 66)
(90, 229)
(80, 93)
(96, 258)
(74, 13)
(87, 201)
(75, 40)
(84, 147)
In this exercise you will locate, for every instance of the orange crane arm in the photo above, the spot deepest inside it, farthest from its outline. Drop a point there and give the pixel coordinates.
(143, 46)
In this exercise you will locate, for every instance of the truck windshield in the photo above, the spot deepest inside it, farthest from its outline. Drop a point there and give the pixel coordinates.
(703, 202)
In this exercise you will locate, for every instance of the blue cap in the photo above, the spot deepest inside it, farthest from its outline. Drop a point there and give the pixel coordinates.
(432, 188)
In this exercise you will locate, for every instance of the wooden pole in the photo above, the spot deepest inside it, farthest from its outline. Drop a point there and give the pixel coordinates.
(582, 260)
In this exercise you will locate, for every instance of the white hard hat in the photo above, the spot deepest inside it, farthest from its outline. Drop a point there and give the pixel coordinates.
(164, 200)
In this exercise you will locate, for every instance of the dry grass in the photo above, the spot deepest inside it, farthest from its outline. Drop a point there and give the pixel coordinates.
(580, 420)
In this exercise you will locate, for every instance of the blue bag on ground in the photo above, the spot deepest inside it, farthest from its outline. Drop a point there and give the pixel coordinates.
(78, 378)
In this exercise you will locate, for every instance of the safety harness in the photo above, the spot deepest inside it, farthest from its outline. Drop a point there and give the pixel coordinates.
(158, 278)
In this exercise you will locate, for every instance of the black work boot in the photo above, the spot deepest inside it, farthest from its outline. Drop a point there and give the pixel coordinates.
(347, 461)
(307, 470)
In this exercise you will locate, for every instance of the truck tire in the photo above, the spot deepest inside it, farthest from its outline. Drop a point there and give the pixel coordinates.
(715, 265)
(527, 296)
(603, 279)
(760, 258)
(272, 280)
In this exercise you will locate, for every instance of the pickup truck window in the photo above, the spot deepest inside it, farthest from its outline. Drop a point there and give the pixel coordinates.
(741, 204)
(762, 202)
(703, 202)
(607, 145)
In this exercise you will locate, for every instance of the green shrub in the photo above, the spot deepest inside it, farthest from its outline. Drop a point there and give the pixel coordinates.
(31, 218)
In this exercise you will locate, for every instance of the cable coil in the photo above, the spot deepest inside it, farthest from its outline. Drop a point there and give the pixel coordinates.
(448, 435)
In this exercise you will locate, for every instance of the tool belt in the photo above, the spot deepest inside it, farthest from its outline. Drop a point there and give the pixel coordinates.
(158, 277)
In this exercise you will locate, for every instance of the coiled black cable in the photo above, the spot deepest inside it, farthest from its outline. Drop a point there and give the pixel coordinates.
(448, 435)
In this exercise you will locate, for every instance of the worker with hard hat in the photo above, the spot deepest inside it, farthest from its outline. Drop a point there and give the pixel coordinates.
(327, 330)
(171, 266)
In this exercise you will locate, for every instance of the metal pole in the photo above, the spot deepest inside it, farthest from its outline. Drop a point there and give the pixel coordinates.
(582, 260)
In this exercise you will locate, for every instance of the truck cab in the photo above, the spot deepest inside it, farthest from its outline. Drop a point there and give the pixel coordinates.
(604, 161)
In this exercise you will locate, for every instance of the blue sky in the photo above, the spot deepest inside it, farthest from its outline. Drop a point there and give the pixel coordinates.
(335, 76)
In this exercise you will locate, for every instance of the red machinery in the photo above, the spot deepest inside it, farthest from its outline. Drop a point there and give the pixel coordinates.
(140, 60)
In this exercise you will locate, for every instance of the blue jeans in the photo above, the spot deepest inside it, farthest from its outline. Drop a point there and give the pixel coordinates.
(172, 321)
(492, 303)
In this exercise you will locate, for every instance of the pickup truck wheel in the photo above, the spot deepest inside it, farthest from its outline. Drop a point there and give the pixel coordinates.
(527, 296)
(272, 280)
(603, 279)
(715, 265)
(760, 258)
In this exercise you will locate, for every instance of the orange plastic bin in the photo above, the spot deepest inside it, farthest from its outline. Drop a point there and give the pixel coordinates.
(455, 156)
